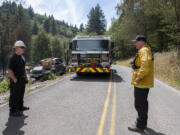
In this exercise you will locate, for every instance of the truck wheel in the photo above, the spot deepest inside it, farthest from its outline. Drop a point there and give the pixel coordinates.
(79, 74)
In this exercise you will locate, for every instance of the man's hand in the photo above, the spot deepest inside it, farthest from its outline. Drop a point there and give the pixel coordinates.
(137, 79)
(11, 74)
(15, 80)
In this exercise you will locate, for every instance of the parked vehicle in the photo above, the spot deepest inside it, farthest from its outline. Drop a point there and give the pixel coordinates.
(58, 66)
(55, 65)
(38, 72)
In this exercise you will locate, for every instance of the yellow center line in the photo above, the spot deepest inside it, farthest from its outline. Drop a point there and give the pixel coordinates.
(103, 117)
(113, 117)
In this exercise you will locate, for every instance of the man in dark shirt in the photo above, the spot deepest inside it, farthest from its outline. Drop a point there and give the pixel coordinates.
(18, 79)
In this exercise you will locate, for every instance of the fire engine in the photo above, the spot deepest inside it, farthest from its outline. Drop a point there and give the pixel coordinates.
(90, 54)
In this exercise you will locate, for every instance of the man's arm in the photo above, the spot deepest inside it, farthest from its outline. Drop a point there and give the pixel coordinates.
(11, 74)
(146, 59)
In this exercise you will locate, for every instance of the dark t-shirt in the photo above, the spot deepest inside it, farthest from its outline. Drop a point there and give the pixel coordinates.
(17, 65)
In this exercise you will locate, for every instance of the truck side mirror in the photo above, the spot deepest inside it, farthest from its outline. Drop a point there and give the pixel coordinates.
(112, 45)
(70, 46)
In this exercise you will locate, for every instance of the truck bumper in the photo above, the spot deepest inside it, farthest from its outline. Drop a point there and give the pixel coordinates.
(89, 70)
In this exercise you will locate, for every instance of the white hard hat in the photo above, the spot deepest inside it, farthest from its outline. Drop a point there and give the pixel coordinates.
(19, 44)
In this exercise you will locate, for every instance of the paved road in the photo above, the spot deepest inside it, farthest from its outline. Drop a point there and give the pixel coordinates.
(93, 105)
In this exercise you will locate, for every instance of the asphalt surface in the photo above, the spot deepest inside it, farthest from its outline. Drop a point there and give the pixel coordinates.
(93, 105)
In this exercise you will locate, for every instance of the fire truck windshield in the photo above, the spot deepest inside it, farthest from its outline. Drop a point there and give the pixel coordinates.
(90, 45)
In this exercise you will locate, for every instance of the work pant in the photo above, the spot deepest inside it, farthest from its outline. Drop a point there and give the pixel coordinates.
(16, 95)
(141, 105)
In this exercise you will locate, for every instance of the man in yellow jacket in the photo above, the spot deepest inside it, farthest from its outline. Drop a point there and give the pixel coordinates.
(143, 80)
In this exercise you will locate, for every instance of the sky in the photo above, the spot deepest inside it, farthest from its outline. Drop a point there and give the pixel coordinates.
(73, 11)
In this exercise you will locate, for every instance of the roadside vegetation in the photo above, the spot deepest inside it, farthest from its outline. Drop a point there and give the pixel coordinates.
(165, 67)
(158, 20)
(4, 86)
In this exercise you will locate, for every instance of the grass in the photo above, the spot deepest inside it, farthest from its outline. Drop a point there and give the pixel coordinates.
(166, 67)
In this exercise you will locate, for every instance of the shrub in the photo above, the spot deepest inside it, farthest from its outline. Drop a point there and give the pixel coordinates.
(4, 86)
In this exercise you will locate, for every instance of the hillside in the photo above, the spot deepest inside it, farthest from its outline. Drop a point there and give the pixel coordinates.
(19, 23)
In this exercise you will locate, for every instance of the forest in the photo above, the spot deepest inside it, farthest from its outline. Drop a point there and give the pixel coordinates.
(43, 35)
(158, 20)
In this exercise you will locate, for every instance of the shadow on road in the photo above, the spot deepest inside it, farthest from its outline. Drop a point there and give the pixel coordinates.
(150, 131)
(88, 77)
(14, 125)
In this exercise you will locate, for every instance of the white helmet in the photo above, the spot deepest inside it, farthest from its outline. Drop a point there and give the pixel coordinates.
(19, 44)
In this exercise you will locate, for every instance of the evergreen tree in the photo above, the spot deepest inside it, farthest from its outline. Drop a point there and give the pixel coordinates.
(41, 49)
(18, 23)
(47, 25)
(155, 19)
(35, 28)
(57, 50)
(53, 26)
(31, 12)
(176, 4)
(81, 27)
(96, 21)
(22, 30)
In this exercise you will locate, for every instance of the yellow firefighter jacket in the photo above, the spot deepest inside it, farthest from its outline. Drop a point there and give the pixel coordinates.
(145, 72)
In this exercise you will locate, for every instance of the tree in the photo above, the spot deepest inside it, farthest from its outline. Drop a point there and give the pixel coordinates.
(47, 25)
(96, 21)
(41, 49)
(177, 10)
(155, 19)
(81, 27)
(57, 49)
(53, 26)
(5, 31)
(35, 28)
(31, 12)
(18, 23)
(22, 30)
(14, 26)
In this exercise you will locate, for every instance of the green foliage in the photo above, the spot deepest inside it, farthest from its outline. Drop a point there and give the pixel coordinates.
(4, 86)
(31, 12)
(41, 48)
(96, 22)
(57, 47)
(81, 27)
(53, 27)
(35, 29)
(50, 76)
(19, 23)
(14, 25)
(47, 25)
(155, 19)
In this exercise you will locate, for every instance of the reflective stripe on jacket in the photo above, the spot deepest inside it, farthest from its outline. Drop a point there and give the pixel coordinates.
(146, 71)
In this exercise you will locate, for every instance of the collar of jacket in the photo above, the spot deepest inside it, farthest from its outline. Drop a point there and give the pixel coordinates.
(144, 46)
